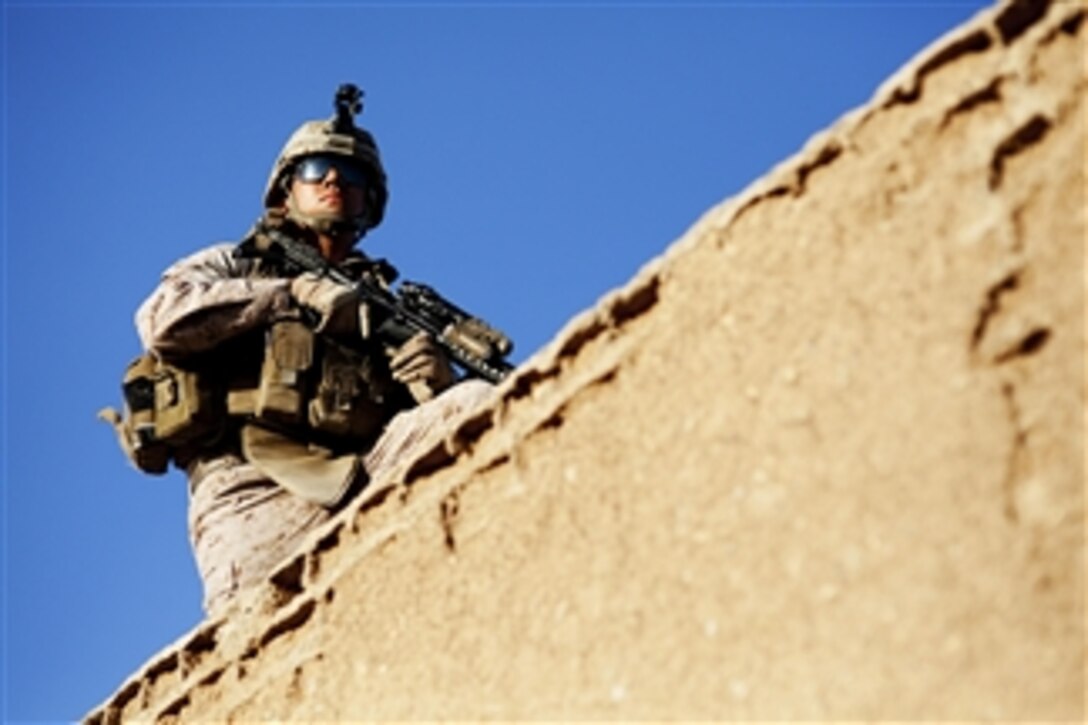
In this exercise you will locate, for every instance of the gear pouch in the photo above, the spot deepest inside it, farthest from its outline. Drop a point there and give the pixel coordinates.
(348, 402)
(185, 405)
(165, 407)
(136, 428)
(288, 356)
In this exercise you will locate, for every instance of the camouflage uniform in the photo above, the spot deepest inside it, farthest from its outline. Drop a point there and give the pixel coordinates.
(241, 523)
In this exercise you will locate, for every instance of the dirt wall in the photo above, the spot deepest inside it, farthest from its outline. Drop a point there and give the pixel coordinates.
(823, 459)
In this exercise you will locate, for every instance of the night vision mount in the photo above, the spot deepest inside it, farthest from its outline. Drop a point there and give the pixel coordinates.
(348, 102)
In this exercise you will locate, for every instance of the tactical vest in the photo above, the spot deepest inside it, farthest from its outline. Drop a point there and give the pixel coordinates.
(335, 393)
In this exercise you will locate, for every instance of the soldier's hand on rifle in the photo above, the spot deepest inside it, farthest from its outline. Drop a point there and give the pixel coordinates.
(422, 366)
(336, 305)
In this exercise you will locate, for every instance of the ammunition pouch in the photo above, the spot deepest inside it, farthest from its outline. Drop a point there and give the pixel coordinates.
(314, 388)
(311, 389)
(352, 397)
(288, 358)
(166, 407)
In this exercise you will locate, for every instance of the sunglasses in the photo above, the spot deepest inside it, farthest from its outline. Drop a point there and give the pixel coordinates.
(313, 169)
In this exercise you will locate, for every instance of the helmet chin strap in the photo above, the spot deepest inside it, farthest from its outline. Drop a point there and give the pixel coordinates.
(325, 223)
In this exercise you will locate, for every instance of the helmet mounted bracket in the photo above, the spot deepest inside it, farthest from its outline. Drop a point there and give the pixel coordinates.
(348, 103)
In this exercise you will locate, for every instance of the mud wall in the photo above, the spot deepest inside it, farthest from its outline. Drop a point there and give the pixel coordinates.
(823, 459)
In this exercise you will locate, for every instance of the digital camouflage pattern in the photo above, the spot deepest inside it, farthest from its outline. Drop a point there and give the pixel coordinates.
(242, 524)
(241, 521)
(206, 299)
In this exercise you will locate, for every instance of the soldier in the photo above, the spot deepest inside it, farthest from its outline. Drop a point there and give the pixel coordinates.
(280, 457)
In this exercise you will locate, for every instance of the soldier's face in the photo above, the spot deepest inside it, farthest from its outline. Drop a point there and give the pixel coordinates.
(324, 189)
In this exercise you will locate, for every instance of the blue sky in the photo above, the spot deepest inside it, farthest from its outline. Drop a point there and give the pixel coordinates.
(538, 154)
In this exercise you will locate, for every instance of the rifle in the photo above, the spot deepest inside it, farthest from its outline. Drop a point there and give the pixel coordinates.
(468, 341)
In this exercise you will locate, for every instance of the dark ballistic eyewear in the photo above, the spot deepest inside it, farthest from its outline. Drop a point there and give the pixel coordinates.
(313, 169)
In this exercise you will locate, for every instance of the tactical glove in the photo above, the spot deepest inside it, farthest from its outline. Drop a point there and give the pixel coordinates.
(336, 304)
(422, 366)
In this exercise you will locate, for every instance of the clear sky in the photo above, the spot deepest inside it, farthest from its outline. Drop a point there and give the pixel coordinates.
(538, 153)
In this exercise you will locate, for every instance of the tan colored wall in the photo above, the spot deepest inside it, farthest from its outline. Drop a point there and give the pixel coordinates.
(824, 459)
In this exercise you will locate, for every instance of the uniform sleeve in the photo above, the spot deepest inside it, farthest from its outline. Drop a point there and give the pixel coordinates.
(204, 300)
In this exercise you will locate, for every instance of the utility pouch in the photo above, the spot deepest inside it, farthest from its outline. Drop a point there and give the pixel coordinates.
(138, 390)
(288, 356)
(165, 407)
(186, 406)
(348, 402)
(136, 430)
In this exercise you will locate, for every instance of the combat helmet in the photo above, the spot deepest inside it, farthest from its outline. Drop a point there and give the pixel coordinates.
(337, 135)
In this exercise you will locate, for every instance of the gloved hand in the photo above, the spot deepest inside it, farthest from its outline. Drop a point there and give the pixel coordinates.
(336, 304)
(422, 366)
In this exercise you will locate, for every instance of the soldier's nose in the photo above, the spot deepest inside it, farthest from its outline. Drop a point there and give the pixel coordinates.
(331, 177)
